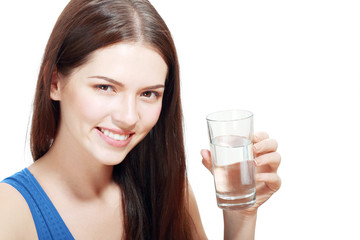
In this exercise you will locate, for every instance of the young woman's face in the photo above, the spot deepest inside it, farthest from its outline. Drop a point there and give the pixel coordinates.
(109, 104)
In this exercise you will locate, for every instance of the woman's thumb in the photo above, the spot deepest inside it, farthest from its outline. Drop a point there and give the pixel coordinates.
(206, 159)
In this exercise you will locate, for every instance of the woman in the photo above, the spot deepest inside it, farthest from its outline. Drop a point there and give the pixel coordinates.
(106, 136)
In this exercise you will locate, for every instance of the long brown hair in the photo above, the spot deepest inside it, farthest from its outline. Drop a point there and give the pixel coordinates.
(153, 175)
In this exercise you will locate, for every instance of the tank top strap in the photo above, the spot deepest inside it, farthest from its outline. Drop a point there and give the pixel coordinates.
(48, 222)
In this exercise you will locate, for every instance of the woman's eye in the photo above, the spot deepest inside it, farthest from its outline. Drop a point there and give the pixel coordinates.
(150, 94)
(105, 88)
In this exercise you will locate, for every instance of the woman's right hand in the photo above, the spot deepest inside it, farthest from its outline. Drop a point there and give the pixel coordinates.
(267, 162)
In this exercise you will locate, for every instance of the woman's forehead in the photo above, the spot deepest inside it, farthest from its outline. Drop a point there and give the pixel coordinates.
(126, 62)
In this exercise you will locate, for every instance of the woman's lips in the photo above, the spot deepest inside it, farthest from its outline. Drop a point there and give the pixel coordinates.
(116, 138)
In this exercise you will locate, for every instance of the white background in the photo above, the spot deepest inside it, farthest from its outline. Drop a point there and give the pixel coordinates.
(295, 64)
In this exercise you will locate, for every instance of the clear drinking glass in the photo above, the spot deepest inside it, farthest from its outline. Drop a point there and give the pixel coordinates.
(232, 157)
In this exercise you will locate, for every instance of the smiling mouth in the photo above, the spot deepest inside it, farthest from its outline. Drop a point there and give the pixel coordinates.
(114, 136)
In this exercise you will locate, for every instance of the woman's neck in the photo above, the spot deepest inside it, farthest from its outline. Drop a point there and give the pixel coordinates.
(74, 170)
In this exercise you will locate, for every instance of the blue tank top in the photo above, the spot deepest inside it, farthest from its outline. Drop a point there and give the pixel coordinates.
(48, 222)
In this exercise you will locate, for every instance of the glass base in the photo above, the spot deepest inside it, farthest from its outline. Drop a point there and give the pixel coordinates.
(236, 203)
(236, 206)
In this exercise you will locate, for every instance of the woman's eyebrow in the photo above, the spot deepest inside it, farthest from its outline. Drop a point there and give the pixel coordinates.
(155, 87)
(109, 80)
(122, 85)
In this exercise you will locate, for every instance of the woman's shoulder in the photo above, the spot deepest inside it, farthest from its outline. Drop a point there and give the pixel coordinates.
(15, 217)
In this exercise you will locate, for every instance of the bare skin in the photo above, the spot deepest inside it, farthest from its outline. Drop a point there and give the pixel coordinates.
(15, 217)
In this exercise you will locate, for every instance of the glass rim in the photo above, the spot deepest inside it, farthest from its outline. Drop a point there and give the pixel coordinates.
(212, 117)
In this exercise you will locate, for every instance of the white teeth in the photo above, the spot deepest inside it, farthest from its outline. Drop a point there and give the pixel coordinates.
(111, 135)
(115, 136)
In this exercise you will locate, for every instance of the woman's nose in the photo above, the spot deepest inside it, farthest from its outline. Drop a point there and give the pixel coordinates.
(126, 115)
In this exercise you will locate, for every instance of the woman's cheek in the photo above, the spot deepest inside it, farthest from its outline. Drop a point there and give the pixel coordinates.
(151, 115)
(90, 107)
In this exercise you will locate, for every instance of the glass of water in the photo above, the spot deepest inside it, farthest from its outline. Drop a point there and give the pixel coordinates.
(232, 157)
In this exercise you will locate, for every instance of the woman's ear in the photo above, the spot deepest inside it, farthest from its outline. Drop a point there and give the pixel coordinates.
(55, 93)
